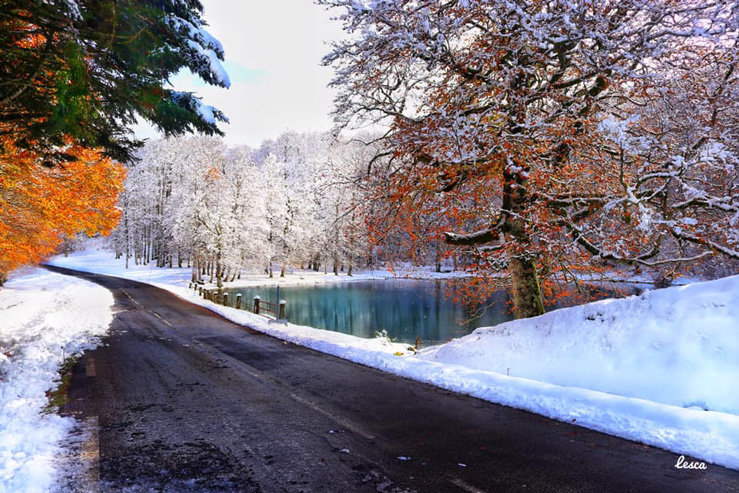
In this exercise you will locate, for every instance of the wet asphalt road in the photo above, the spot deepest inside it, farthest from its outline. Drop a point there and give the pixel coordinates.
(184, 400)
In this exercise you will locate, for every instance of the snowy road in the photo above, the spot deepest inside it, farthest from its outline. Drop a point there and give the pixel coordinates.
(187, 401)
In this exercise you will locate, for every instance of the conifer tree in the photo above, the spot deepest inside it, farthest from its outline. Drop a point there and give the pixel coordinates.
(87, 69)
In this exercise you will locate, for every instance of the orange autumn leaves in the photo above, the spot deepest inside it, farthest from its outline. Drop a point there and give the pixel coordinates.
(40, 205)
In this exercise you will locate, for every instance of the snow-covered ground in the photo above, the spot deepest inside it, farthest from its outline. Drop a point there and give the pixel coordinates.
(96, 258)
(45, 317)
(660, 368)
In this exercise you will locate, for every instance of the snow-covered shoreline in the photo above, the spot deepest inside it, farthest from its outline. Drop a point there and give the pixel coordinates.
(101, 261)
(45, 318)
(635, 376)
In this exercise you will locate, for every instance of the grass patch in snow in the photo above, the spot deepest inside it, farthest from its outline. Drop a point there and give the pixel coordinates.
(59, 396)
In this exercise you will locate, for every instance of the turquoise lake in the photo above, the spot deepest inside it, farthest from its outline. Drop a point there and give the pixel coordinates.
(406, 309)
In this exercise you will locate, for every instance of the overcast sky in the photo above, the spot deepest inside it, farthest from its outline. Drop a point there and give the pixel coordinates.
(273, 54)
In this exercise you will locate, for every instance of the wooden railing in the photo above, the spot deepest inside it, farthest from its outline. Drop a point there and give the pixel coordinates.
(267, 308)
(264, 307)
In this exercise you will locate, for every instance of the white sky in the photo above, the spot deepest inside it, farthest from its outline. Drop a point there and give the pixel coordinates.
(273, 55)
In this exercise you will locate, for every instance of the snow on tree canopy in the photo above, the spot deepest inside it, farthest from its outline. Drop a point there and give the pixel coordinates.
(551, 135)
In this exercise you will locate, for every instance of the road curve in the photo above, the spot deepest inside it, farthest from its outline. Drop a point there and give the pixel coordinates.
(184, 400)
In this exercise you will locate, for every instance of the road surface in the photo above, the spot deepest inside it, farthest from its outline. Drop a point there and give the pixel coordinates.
(180, 399)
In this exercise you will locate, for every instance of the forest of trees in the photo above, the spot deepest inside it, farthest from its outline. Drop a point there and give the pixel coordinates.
(296, 201)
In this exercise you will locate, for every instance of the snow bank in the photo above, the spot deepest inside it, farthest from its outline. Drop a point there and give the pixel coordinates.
(45, 316)
(677, 346)
(660, 368)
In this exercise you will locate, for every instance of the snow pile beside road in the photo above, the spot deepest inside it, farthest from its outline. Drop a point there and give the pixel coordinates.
(641, 335)
(677, 346)
(45, 316)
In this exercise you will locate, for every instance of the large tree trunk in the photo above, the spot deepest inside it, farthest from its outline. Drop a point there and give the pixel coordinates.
(219, 272)
(527, 298)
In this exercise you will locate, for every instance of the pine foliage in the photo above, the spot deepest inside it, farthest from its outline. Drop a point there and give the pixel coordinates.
(87, 69)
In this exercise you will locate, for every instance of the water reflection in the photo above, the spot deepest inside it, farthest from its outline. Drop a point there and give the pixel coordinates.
(405, 308)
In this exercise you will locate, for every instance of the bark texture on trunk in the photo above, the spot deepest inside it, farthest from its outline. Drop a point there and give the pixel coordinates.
(527, 298)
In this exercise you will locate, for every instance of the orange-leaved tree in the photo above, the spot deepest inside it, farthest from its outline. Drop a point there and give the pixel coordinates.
(550, 134)
(41, 205)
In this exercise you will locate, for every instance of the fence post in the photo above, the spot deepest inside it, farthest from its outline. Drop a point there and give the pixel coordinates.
(225, 299)
(238, 301)
(257, 299)
(283, 307)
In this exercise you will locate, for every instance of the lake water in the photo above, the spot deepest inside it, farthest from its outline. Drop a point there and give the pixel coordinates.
(406, 309)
